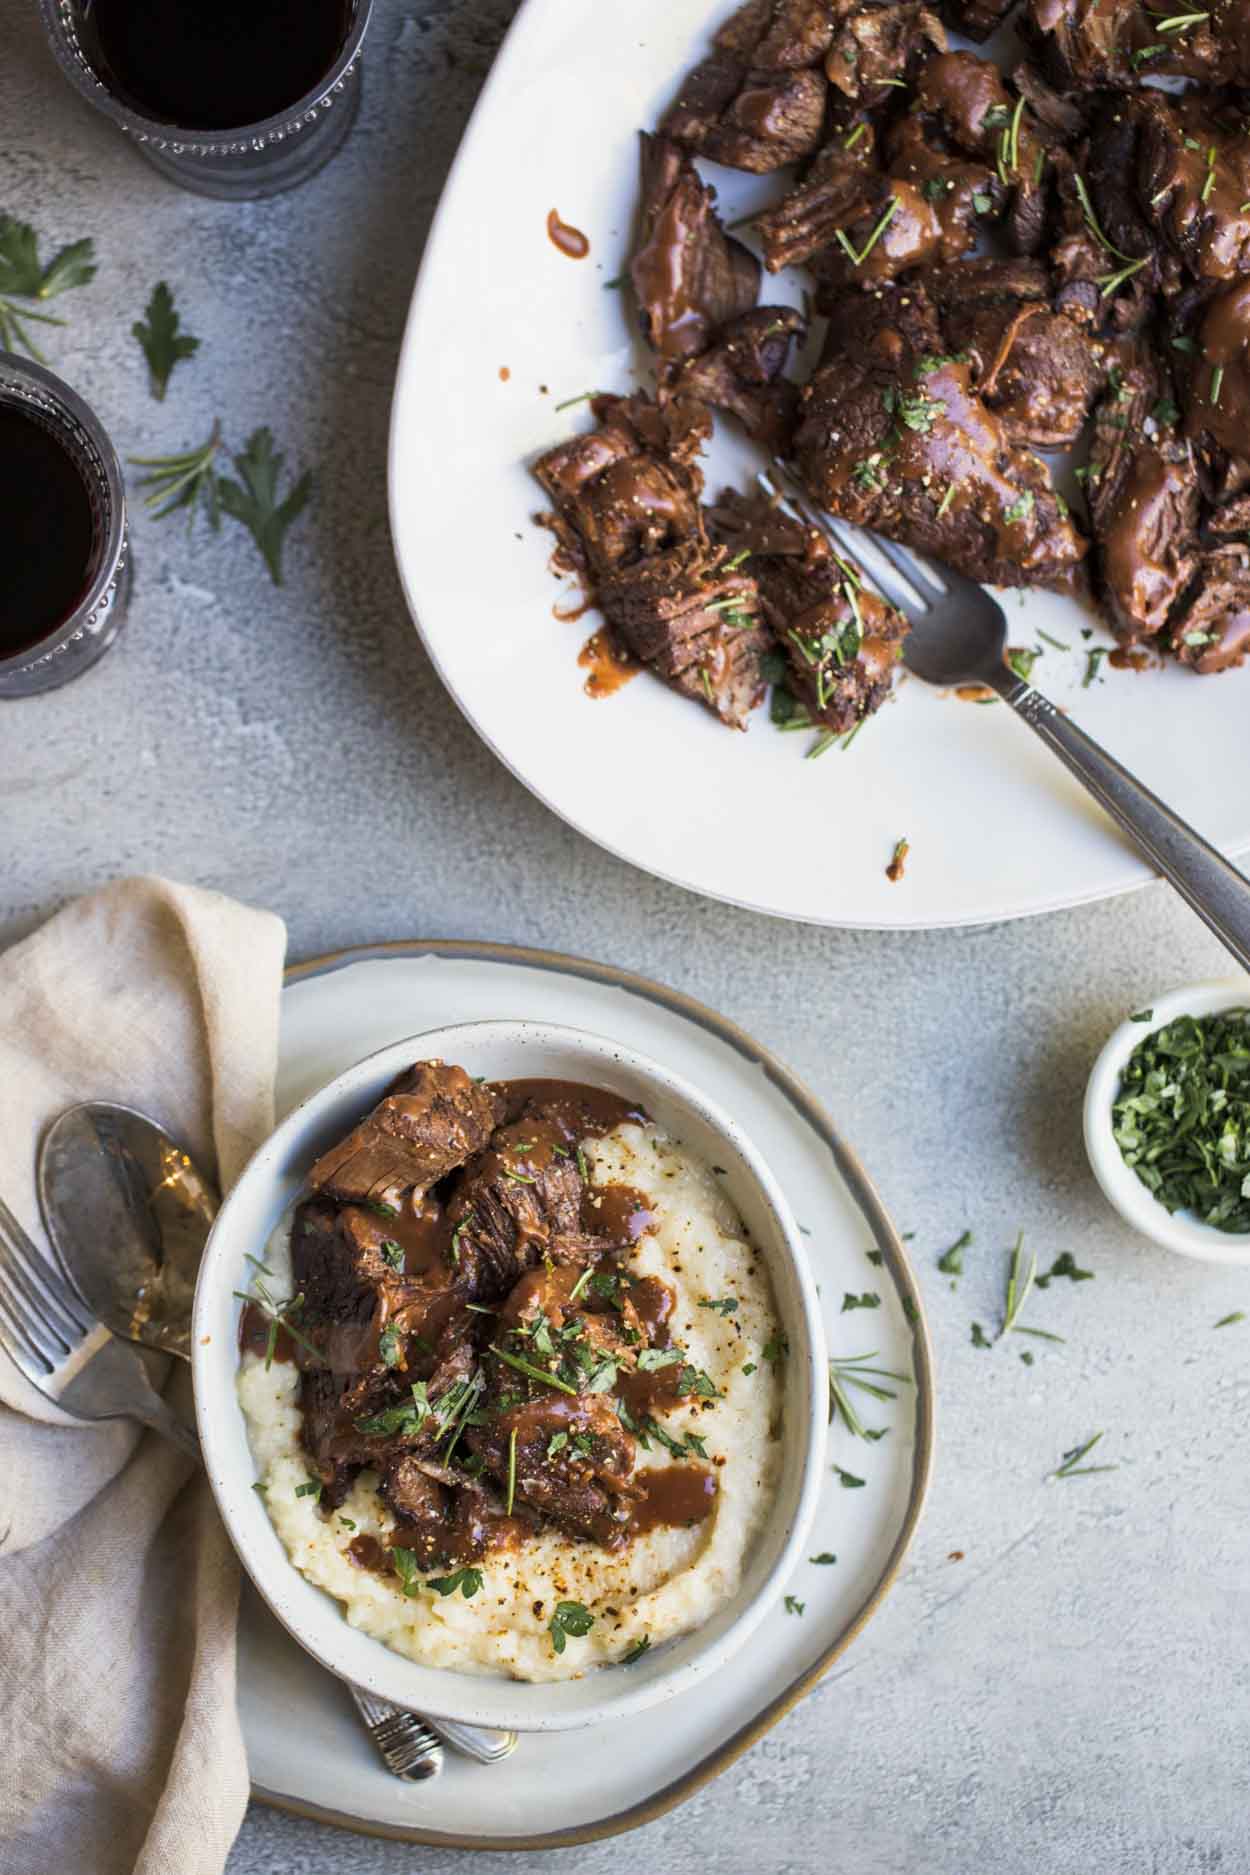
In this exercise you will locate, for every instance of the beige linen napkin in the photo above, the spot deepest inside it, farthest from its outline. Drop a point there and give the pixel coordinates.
(118, 1589)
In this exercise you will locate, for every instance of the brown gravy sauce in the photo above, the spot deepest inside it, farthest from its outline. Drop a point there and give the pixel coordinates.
(672, 1494)
(254, 1334)
(367, 1553)
(570, 241)
(571, 615)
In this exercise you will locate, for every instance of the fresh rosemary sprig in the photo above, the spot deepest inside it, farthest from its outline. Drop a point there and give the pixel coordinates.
(187, 481)
(1109, 281)
(194, 480)
(1070, 1465)
(854, 1371)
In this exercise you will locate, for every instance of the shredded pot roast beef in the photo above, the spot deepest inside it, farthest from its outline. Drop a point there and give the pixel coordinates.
(467, 1323)
(1057, 259)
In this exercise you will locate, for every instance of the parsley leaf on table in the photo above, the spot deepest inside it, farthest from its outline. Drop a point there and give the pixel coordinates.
(163, 345)
(254, 499)
(22, 277)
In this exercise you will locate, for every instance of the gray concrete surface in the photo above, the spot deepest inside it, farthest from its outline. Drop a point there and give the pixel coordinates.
(1073, 1696)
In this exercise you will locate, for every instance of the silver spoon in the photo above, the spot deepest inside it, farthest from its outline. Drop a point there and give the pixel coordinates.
(128, 1212)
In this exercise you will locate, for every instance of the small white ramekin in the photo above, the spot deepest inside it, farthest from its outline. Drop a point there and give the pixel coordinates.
(503, 1050)
(1137, 1206)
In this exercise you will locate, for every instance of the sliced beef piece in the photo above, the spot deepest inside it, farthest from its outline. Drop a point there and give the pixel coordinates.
(780, 35)
(896, 230)
(1037, 370)
(630, 488)
(1217, 387)
(1142, 489)
(835, 191)
(689, 275)
(1063, 114)
(443, 1516)
(1192, 177)
(583, 1487)
(894, 436)
(963, 99)
(977, 19)
(517, 1203)
(369, 1327)
(552, 1321)
(957, 188)
(1211, 632)
(741, 373)
(429, 1122)
(696, 624)
(1087, 43)
(877, 49)
(841, 641)
(747, 117)
(1105, 291)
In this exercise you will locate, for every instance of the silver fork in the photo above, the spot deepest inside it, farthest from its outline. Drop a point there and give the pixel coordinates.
(54, 1340)
(959, 636)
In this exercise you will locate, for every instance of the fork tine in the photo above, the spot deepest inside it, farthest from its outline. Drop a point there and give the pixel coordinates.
(44, 1290)
(18, 1341)
(901, 600)
(910, 567)
(843, 543)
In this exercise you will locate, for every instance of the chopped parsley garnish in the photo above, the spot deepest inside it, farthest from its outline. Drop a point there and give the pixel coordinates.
(406, 1418)
(405, 1562)
(636, 1652)
(825, 1556)
(869, 1300)
(694, 1380)
(392, 1253)
(1225, 1321)
(775, 1350)
(724, 1305)
(1021, 660)
(389, 1351)
(847, 1479)
(748, 1367)
(348, 1523)
(651, 1360)
(979, 1337)
(468, 1581)
(794, 1606)
(1181, 1117)
(1065, 1265)
(569, 1618)
(1093, 658)
(951, 1262)
(311, 1489)
(1019, 510)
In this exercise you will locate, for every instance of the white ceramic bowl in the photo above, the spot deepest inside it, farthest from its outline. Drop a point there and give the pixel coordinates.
(269, 1185)
(1178, 1230)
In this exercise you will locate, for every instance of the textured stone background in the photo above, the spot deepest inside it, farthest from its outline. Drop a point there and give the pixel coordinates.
(1072, 1697)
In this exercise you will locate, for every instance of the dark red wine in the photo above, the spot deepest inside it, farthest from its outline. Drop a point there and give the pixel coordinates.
(216, 64)
(46, 532)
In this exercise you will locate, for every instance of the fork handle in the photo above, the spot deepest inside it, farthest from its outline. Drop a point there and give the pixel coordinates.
(1204, 878)
(161, 1418)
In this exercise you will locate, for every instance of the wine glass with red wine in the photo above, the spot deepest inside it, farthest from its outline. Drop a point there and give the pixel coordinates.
(233, 98)
(62, 533)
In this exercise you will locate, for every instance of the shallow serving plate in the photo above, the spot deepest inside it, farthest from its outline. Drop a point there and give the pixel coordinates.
(502, 329)
(504, 1050)
(305, 1749)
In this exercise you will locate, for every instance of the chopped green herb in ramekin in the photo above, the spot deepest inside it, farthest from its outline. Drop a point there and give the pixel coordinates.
(1182, 1116)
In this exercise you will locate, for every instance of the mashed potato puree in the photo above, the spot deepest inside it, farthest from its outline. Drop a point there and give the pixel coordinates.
(667, 1580)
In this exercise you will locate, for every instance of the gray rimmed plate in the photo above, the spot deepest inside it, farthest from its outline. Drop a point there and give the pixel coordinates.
(305, 1750)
